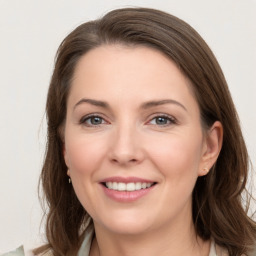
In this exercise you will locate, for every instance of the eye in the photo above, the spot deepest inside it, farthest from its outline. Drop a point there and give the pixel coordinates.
(162, 120)
(92, 120)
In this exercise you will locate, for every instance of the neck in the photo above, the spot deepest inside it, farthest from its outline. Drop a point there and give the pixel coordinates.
(175, 241)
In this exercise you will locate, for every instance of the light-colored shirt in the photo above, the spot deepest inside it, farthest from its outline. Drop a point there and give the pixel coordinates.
(85, 249)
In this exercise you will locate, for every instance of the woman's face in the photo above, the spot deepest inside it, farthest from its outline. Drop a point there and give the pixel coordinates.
(134, 144)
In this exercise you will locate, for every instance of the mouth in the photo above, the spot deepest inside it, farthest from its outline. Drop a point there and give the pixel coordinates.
(128, 187)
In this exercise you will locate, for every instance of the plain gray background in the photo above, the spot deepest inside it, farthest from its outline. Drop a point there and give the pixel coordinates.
(30, 32)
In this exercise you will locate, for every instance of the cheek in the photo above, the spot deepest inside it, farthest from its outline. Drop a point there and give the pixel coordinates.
(177, 159)
(84, 155)
(84, 152)
(177, 156)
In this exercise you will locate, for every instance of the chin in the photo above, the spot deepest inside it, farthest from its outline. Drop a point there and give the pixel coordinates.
(126, 225)
(129, 228)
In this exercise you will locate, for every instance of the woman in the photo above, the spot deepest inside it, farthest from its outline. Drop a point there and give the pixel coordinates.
(145, 154)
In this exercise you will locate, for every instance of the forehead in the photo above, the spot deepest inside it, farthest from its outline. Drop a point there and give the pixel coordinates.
(117, 70)
(122, 58)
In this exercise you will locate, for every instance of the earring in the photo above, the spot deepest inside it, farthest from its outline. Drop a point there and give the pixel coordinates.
(205, 170)
(68, 173)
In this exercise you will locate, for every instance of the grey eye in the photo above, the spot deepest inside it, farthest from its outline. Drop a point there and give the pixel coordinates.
(161, 120)
(94, 120)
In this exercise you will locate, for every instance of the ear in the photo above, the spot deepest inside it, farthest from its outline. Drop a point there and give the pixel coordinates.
(64, 151)
(211, 148)
(61, 131)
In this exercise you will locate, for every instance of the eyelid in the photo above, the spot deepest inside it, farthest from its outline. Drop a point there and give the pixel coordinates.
(172, 119)
(86, 117)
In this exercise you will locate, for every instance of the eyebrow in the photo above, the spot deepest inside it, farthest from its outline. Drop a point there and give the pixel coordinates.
(97, 103)
(150, 104)
(145, 105)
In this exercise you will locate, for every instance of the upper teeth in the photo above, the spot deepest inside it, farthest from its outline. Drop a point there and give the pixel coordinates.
(120, 186)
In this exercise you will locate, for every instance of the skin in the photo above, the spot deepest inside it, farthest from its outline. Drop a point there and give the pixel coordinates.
(128, 139)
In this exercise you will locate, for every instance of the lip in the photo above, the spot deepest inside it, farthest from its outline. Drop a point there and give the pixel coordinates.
(126, 179)
(126, 196)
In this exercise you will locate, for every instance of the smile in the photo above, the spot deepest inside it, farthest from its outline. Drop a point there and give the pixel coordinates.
(131, 186)
(127, 189)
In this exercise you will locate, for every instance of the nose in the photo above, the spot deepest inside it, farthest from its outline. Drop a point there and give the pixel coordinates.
(126, 148)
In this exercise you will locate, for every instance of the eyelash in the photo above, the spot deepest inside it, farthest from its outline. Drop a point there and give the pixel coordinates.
(89, 117)
(171, 120)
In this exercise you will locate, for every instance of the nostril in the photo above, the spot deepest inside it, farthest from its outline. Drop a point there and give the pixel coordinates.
(124, 161)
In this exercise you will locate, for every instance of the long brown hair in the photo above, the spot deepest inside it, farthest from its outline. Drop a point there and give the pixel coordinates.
(218, 210)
